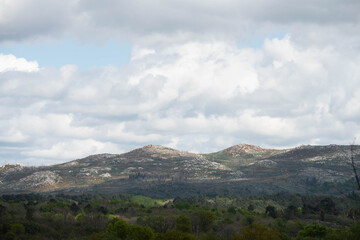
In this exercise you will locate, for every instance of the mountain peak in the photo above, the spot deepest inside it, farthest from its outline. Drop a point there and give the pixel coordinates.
(243, 148)
(159, 151)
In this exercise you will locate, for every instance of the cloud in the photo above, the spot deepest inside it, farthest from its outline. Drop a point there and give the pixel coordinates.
(195, 96)
(73, 149)
(12, 135)
(11, 63)
(202, 75)
(34, 19)
(163, 21)
(211, 18)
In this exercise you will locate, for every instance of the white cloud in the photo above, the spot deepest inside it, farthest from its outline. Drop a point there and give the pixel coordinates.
(74, 149)
(59, 125)
(139, 52)
(351, 109)
(118, 133)
(12, 135)
(215, 69)
(199, 96)
(11, 63)
(188, 83)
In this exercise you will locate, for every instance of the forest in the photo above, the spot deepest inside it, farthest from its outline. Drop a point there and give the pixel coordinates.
(133, 217)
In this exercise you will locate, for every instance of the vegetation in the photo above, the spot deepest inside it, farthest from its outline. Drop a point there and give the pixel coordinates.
(120, 216)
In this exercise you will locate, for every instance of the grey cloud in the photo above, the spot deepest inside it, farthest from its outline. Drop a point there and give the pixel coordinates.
(188, 85)
(182, 102)
(35, 19)
(165, 16)
(166, 22)
(162, 20)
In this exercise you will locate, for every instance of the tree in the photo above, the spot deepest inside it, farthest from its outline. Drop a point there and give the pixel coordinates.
(353, 165)
(232, 210)
(327, 205)
(313, 231)
(117, 228)
(251, 207)
(136, 232)
(29, 211)
(74, 208)
(183, 224)
(257, 231)
(158, 223)
(202, 220)
(2, 211)
(291, 212)
(175, 235)
(271, 211)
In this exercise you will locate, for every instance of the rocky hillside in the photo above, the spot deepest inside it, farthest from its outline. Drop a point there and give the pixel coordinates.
(160, 171)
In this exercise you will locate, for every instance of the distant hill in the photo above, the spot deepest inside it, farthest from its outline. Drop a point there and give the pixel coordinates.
(162, 172)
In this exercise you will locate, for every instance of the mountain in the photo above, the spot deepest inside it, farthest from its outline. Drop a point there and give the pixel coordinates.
(162, 172)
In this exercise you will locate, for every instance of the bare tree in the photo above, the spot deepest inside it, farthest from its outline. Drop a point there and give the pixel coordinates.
(353, 165)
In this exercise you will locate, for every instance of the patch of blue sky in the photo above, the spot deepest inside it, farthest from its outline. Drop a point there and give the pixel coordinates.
(68, 51)
(257, 41)
(8, 156)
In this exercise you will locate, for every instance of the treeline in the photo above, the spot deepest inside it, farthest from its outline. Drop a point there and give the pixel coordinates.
(122, 216)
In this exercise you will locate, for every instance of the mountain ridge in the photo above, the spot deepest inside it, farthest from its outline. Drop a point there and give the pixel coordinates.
(155, 169)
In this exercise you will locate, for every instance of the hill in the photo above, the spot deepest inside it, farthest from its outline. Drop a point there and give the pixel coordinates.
(165, 172)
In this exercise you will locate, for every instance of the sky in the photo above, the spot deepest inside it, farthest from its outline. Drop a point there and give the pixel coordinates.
(82, 77)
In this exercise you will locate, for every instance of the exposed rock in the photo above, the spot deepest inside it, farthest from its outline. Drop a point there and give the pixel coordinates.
(324, 175)
(153, 165)
(8, 168)
(38, 179)
(241, 149)
(156, 151)
(265, 163)
(105, 175)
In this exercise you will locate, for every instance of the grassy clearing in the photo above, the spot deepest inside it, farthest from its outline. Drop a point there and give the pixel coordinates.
(148, 202)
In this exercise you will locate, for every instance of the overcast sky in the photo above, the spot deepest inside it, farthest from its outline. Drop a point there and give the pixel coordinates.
(79, 77)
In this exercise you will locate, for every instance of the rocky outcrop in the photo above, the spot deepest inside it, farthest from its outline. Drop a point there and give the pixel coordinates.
(156, 151)
(38, 180)
(245, 149)
(296, 169)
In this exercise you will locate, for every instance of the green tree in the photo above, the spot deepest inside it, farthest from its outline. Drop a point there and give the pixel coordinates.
(158, 223)
(209, 236)
(30, 210)
(256, 231)
(175, 235)
(183, 223)
(202, 220)
(136, 232)
(271, 211)
(231, 210)
(327, 206)
(17, 228)
(251, 207)
(117, 228)
(291, 212)
(74, 208)
(314, 231)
